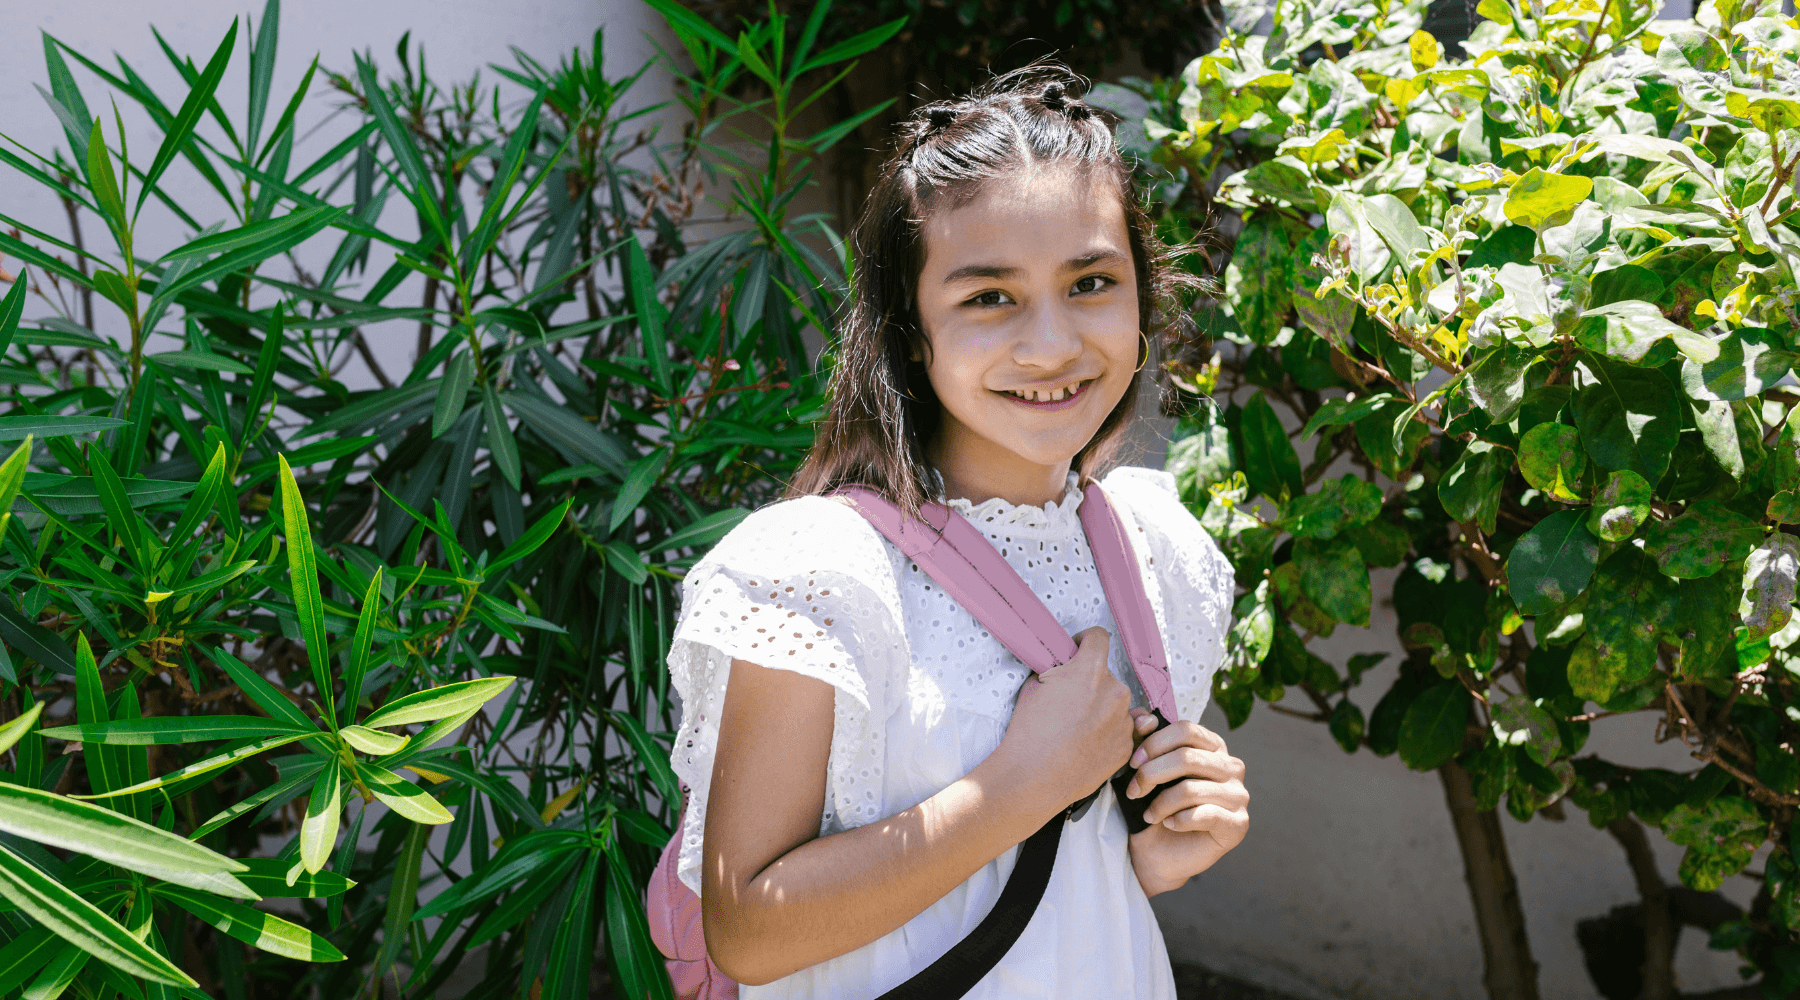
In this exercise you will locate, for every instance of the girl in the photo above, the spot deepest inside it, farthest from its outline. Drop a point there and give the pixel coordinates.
(862, 757)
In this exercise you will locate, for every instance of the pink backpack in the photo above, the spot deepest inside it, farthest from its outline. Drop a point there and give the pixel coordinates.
(955, 554)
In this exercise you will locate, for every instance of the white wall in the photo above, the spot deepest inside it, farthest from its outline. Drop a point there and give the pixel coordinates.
(1350, 884)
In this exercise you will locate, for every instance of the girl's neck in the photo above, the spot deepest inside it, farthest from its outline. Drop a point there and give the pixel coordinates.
(978, 474)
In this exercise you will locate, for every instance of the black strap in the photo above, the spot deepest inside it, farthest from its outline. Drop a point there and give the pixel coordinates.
(960, 968)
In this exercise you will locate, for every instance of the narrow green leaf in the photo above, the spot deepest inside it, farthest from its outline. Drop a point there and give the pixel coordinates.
(502, 449)
(453, 392)
(262, 930)
(24, 955)
(11, 308)
(534, 537)
(506, 175)
(14, 428)
(262, 71)
(373, 741)
(15, 730)
(208, 765)
(117, 839)
(359, 646)
(266, 696)
(81, 923)
(104, 182)
(402, 796)
(166, 730)
(572, 949)
(268, 876)
(318, 831)
(181, 130)
(438, 702)
(856, 45)
(641, 281)
(652, 755)
(644, 475)
(640, 965)
(304, 575)
(403, 896)
(400, 142)
(705, 531)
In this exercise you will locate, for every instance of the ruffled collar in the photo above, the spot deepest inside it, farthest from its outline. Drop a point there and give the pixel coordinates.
(1060, 515)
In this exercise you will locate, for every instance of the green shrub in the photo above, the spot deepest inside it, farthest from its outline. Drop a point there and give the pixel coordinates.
(1514, 325)
(245, 606)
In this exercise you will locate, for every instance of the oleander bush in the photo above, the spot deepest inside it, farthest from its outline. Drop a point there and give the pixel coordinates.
(388, 656)
(1518, 328)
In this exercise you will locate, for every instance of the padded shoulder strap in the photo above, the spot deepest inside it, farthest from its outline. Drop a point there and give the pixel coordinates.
(956, 554)
(1124, 585)
(951, 551)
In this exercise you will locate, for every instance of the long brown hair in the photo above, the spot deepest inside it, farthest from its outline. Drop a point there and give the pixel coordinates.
(882, 411)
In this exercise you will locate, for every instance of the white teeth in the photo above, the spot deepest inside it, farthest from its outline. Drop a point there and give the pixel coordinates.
(1047, 395)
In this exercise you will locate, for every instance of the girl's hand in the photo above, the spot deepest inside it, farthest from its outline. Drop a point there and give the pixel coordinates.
(1194, 823)
(1072, 727)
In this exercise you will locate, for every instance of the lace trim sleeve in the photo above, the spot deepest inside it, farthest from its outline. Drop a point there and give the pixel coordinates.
(1194, 578)
(804, 585)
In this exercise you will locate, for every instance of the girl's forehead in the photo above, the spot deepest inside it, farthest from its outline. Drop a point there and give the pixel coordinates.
(1035, 207)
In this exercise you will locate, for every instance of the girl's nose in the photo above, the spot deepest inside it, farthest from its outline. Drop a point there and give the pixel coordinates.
(1049, 340)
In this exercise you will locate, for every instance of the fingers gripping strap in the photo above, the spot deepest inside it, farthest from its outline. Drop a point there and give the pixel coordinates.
(1125, 596)
(955, 554)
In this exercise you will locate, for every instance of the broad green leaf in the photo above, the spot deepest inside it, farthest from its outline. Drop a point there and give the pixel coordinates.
(1768, 590)
(1470, 491)
(1707, 624)
(264, 931)
(81, 923)
(1339, 504)
(1334, 577)
(1497, 381)
(1350, 227)
(1784, 507)
(1702, 541)
(180, 132)
(1540, 200)
(1431, 732)
(1721, 836)
(437, 703)
(1347, 725)
(1551, 459)
(1630, 604)
(1424, 51)
(1631, 420)
(1518, 721)
(15, 730)
(1749, 361)
(319, 828)
(117, 839)
(373, 741)
(1269, 459)
(1259, 281)
(402, 796)
(304, 575)
(453, 392)
(1632, 330)
(1621, 506)
(1551, 563)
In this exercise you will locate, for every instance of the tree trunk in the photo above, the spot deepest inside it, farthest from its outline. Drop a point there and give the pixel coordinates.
(1659, 925)
(1511, 973)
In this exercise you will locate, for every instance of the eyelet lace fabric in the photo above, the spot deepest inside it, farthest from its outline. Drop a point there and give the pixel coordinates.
(922, 692)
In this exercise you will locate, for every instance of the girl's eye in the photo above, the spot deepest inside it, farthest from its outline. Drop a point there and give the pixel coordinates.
(1092, 283)
(990, 298)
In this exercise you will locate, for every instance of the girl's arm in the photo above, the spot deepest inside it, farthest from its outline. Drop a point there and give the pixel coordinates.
(778, 898)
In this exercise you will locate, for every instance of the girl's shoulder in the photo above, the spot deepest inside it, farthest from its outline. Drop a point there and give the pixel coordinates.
(807, 536)
(1150, 498)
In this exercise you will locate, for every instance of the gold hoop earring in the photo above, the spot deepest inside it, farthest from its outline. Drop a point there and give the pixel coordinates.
(1146, 358)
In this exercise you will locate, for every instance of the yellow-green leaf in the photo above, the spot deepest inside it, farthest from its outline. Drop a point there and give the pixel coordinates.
(1540, 200)
(373, 741)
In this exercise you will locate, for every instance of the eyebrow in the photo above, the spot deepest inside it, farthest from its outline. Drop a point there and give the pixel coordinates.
(1086, 260)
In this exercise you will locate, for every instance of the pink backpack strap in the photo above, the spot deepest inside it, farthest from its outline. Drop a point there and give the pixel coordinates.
(1124, 585)
(954, 553)
(960, 558)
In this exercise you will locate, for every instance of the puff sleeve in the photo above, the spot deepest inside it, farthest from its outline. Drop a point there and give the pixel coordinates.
(1190, 580)
(805, 585)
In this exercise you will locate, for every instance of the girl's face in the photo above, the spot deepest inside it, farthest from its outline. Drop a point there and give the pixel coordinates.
(1029, 304)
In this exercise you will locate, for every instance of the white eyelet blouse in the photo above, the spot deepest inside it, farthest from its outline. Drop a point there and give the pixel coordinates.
(923, 695)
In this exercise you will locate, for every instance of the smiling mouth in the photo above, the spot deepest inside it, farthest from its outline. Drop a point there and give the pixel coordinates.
(1063, 395)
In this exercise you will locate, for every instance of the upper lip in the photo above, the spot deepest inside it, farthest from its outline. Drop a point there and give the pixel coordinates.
(1051, 390)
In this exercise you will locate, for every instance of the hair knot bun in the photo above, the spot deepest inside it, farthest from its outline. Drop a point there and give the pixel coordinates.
(1053, 97)
(1078, 111)
(938, 119)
